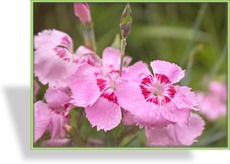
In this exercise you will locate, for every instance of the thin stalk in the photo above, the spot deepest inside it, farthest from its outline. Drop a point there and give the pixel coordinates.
(219, 62)
(130, 141)
(125, 27)
(194, 30)
(123, 45)
(216, 137)
(192, 54)
(89, 37)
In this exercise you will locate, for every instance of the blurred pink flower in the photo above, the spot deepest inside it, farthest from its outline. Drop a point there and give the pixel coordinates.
(36, 88)
(53, 114)
(82, 11)
(94, 89)
(213, 103)
(54, 59)
(93, 142)
(128, 118)
(175, 135)
(56, 142)
(153, 99)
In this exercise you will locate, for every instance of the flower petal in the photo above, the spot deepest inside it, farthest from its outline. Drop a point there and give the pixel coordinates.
(220, 89)
(42, 117)
(49, 39)
(57, 123)
(170, 70)
(52, 57)
(188, 133)
(104, 114)
(170, 112)
(161, 136)
(49, 68)
(56, 97)
(36, 87)
(85, 55)
(111, 58)
(175, 135)
(184, 98)
(136, 72)
(82, 11)
(127, 60)
(84, 87)
(131, 99)
(56, 142)
(211, 106)
(128, 118)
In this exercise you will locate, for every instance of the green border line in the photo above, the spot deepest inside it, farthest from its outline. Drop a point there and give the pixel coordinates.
(119, 148)
(31, 75)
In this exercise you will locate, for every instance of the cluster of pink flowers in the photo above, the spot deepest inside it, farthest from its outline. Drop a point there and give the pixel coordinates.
(213, 103)
(138, 97)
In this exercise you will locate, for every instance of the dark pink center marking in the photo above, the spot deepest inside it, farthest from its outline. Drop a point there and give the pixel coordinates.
(110, 96)
(85, 59)
(157, 91)
(107, 92)
(162, 79)
(65, 41)
(62, 50)
(102, 83)
(62, 53)
(114, 72)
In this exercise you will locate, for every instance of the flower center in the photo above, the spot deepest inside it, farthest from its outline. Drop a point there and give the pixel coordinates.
(107, 86)
(157, 89)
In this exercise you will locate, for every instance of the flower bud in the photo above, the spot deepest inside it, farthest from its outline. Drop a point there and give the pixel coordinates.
(82, 11)
(126, 21)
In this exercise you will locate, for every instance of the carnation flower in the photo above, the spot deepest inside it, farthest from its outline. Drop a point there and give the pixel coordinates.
(213, 103)
(175, 135)
(94, 89)
(52, 115)
(153, 99)
(54, 59)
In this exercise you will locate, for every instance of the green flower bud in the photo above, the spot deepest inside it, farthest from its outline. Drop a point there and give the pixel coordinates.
(126, 21)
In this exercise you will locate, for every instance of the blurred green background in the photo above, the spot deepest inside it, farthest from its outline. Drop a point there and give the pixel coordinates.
(192, 35)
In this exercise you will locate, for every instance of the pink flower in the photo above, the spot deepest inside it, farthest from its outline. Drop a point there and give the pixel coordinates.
(94, 89)
(56, 142)
(128, 118)
(175, 135)
(213, 104)
(52, 115)
(54, 59)
(153, 99)
(36, 88)
(82, 11)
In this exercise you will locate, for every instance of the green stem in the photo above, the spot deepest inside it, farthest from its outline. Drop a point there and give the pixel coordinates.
(210, 140)
(75, 136)
(192, 54)
(130, 130)
(219, 62)
(81, 116)
(89, 37)
(123, 45)
(194, 30)
(130, 141)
